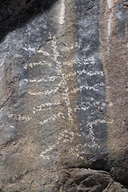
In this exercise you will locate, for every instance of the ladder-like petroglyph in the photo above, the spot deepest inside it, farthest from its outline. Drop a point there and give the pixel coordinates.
(91, 82)
(61, 98)
(53, 95)
(52, 91)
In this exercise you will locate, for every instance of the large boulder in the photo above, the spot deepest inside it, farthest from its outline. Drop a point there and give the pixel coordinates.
(63, 98)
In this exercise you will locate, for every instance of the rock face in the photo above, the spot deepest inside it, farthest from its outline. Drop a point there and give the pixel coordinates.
(88, 180)
(63, 98)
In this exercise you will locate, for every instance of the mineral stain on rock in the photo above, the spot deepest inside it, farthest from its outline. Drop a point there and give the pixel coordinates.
(91, 83)
(63, 122)
(113, 53)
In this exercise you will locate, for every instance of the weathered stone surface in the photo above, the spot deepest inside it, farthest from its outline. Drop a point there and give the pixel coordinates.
(114, 38)
(85, 180)
(63, 98)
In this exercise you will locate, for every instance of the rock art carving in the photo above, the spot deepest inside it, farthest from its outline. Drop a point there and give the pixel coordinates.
(63, 109)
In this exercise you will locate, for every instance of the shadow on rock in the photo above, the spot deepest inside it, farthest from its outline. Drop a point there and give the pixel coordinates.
(16, 13)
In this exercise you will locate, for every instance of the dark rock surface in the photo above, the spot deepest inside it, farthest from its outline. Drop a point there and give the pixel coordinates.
(91, 83)
(63, 98)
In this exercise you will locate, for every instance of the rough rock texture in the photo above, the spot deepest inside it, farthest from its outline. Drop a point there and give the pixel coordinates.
(63, 98)
(88, 180)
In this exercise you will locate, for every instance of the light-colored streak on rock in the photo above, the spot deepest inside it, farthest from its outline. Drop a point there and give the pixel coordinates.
(111, 8)
(62, 12)
(109, 26)
(67, 102)
(110, 3)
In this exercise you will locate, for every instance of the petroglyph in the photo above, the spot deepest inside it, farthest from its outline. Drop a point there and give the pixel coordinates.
(63, 137)
(90, 73)
(52, 90)
(54, 98)
(91, 86)
(19, 117)
(47, 105)
(52, 118)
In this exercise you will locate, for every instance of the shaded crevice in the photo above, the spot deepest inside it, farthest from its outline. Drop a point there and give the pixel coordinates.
(6, 101)
(20, 17)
